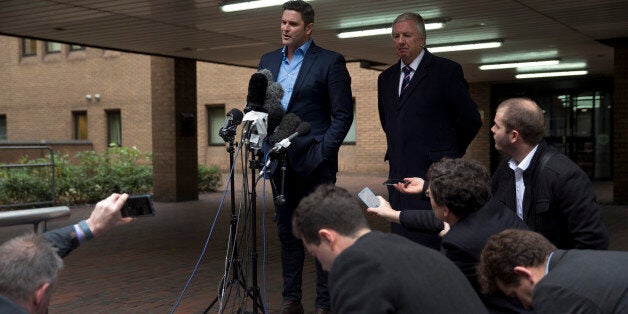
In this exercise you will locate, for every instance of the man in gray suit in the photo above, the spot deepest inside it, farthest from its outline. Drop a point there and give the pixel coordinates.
(525, 264)
(376, 272)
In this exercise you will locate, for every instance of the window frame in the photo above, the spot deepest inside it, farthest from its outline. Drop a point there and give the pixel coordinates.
(213, 128)
(24, 50)
(109, 114)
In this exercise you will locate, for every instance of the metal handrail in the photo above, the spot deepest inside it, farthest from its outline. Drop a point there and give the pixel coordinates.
(51, 164)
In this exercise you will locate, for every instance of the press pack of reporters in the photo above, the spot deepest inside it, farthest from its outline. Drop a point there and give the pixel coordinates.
(443, 203)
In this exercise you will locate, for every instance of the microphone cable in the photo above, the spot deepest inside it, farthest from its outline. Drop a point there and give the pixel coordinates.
(211, 231)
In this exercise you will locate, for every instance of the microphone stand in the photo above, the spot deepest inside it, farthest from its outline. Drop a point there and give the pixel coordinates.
(255, 163)
(233, 262)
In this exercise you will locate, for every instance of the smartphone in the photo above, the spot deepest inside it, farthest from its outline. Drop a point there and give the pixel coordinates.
(394, 181)
(368, 197)
(138, 206)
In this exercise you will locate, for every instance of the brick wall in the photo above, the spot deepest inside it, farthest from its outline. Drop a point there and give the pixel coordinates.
(39, 93)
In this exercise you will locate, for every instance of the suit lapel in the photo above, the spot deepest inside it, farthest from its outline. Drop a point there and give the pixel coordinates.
(418, 76)
(308, 61)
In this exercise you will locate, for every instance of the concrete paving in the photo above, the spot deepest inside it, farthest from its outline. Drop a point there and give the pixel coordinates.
(143, 267)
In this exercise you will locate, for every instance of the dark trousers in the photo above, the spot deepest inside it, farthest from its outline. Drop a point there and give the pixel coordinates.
(292, 251)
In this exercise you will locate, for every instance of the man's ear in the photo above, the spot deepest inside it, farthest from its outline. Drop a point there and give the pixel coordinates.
(514, 136)
(42, 293)
(328, 236)
(523, 272)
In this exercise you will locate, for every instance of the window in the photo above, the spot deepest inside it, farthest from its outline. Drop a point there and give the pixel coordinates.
(76, 47)
(350, 138)
(80, 125)
(215, 119)
(114, 128)
(53, 47)
(3, 127)
(29, 47)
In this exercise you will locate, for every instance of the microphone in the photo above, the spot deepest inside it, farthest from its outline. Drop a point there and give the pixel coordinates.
(303, 129)
(272, 103)
(287, 126)
(256, 117)
(256, 96)
(276, 112)
(228, 129)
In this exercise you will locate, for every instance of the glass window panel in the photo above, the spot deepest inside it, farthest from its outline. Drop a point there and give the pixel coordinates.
(114, 128)
(80, 125)
(77, 47)
(53, 47)
(215, 119)
(29, 47)
(3, 127)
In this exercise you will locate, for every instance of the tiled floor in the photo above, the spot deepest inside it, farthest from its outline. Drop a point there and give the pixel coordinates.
(143, 267)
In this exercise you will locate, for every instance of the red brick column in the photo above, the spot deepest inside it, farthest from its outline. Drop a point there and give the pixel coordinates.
(481, 145)
(173, 98)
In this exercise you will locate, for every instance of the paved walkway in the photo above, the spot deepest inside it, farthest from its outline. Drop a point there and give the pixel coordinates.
(144, 266)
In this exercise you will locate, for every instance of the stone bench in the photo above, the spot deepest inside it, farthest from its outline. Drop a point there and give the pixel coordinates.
(35, 216)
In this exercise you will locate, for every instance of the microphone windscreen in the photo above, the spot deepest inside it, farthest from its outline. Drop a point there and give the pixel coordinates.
(257, 92)
(288, 125)
(304, 128)
(267, 73)
(236, 115)
(273, 106)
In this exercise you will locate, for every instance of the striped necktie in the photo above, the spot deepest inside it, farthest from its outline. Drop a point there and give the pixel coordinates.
(407, 70)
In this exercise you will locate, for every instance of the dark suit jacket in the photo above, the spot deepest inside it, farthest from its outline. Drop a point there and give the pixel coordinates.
(566, 211)
(584, 281)
(64, 239)
(386, 273)
(322, 91)
(465, 240)
(434, 118)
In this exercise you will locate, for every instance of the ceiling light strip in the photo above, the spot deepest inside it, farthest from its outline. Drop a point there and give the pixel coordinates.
(382, 31)
(550, 74)
(522, 64)
(467, 46)
(249, 5)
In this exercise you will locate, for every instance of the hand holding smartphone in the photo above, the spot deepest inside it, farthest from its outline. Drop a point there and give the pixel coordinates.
(394, 181)
(369, 198)
(138, 206)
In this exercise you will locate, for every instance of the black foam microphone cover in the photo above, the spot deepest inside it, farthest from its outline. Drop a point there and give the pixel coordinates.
(287, 126)
(236, 115)
(257, 93)
(304, 128)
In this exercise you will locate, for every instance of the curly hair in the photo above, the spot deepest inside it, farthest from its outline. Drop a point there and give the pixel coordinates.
(328, 207)
(461, 185)
(506, 250)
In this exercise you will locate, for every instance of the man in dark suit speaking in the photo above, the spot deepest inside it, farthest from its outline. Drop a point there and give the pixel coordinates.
(317, 88)
(525, 264)
(426, 112)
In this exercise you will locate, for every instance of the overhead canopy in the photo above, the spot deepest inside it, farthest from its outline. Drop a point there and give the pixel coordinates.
(530, 29)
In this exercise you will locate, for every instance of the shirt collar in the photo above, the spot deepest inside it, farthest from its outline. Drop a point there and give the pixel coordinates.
(415, 63)
(525, 163)
(303, 49)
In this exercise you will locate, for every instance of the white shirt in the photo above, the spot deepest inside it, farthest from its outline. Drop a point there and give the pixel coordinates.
(414, 65)
(520, 187)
